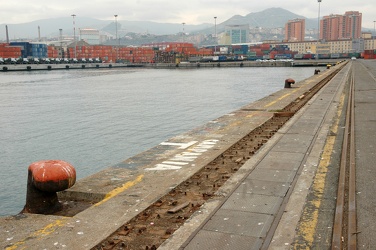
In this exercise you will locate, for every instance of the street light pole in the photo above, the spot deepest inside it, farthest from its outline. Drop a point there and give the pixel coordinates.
(215, 34)
(116, 38)
(374, 34)
(318, 32)
(74, 36)
(183, 31)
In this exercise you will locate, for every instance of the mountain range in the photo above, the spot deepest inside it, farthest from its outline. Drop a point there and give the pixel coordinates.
(269, 18)
(49, 28)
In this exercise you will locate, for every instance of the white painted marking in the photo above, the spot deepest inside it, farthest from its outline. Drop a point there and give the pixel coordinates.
(181, 145)
(183, 158)
(175, 163)
(160, 167)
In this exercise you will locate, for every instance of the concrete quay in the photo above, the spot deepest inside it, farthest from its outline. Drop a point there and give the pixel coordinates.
(183, 65)
(63, 66)
(260, 206)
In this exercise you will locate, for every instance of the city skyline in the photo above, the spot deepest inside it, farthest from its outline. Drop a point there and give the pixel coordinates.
(168, 11)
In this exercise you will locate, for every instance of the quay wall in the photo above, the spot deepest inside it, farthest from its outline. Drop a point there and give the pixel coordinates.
(32, 67)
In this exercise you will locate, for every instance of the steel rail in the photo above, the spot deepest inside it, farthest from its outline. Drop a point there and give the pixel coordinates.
(344, 229)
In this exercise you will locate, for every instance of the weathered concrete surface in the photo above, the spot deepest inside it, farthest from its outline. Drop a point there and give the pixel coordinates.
(122, 191)
(365, 143)
(254, 203)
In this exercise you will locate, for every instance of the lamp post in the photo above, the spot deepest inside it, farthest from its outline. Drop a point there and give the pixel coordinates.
(116, 38)
(74, 36)
(318, 32)
(215, 34)
(61, 42)
(183, 31)
(374, 34)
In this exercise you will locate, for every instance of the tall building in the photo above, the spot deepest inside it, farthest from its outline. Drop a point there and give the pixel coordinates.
(295, 30)
(353, 24)
(331, 27)
(338, 27)
(237, 33)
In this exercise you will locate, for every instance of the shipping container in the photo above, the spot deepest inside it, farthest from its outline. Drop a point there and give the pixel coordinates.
(283, 56)
(309, 56)
(334, 55)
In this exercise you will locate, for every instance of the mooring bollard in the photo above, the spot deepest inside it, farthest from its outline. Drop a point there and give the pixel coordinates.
(288, 82)
(328, 66)
(45, 178)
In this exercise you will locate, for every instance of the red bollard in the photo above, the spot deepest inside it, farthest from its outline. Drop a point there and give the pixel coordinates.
(288, 82)
(45, 178)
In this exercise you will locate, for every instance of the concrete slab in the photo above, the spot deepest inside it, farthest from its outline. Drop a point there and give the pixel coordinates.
(272, 175)
(280, 160)
(295, 143)
(222, 241)
(262, 187)
(254, 203)
(239, 223)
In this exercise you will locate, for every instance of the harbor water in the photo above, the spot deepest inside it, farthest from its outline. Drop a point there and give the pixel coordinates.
(97, 118)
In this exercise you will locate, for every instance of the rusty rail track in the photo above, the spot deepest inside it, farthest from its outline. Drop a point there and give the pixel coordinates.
(345, 225)
(159, 221)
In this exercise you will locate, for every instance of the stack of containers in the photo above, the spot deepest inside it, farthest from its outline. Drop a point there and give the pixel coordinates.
(182, 48)
(282, 51)
(260, 50)
(205, 52)
(38, 50)
(369, 54)
(35, 50)
(113, 53)
(25, 48)
(143, 55)
(52, 52)
(240, 49)
(7, 51)
(344, 55)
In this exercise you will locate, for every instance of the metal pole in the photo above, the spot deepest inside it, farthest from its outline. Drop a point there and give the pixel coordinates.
(318, 32)
(74, 36)
(116, 58)
(183, 31)
(61, 41)
(374, 34)
(215, 34)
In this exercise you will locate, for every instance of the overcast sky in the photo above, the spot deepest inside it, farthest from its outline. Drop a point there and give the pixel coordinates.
(175, 11)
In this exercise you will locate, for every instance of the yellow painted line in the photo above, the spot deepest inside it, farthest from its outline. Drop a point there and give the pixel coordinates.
(308, 224)
(118, 190)
(277, 100)
(47, 230)
(284, 96)
(50, 228)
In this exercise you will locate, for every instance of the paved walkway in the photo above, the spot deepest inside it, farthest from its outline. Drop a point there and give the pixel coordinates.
(365, 143)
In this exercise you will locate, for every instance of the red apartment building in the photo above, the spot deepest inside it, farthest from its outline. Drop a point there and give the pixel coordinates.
(295, 30)
(340, 27)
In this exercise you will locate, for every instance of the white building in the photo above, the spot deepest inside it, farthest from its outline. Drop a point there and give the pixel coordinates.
(91, 36)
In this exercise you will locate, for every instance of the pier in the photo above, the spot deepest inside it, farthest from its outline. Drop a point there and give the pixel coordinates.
(261, 177)
(77, 66)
